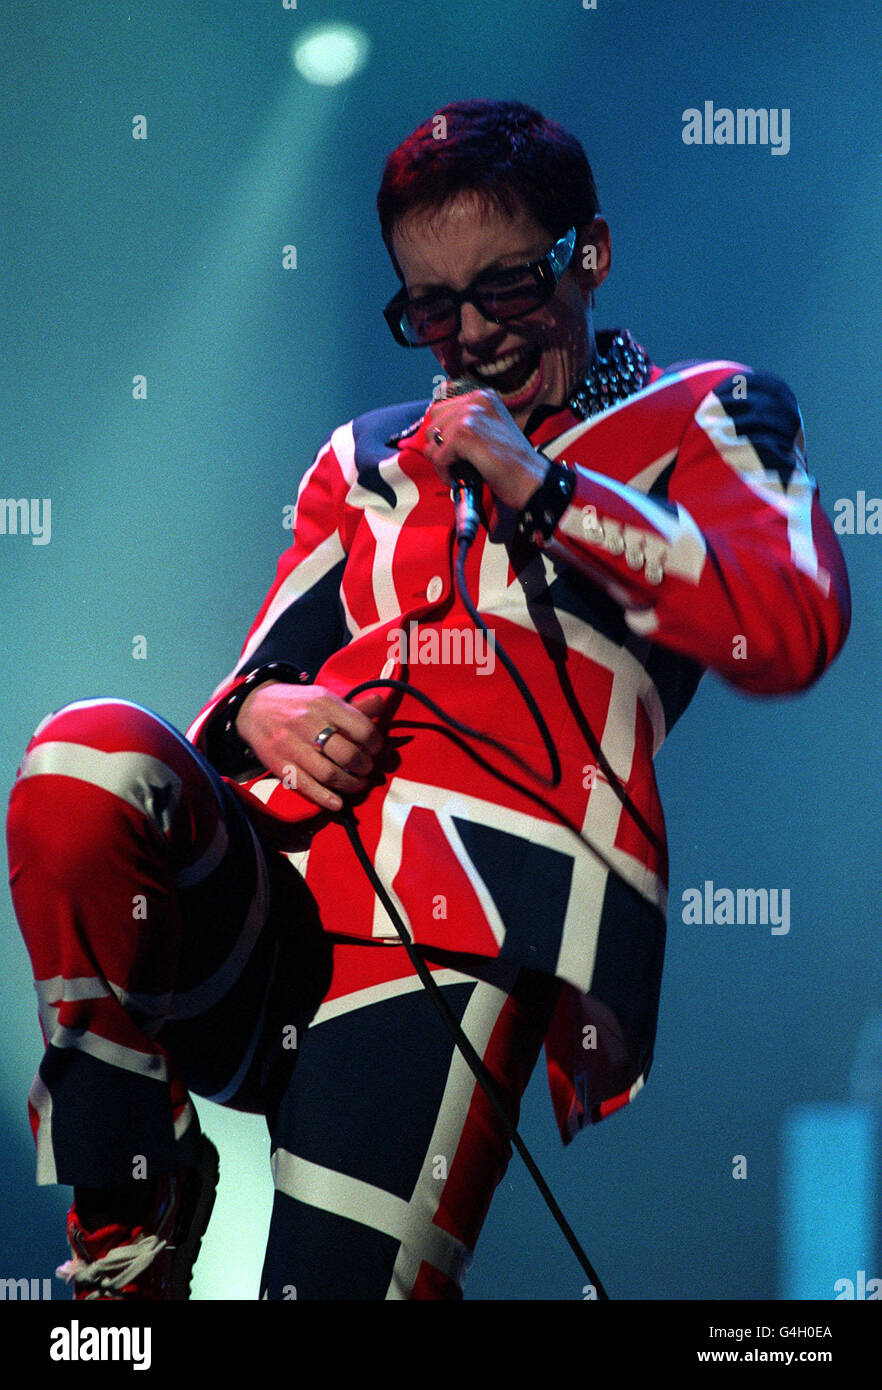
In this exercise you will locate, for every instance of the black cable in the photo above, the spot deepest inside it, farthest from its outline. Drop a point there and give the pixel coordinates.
(475, 1063)
(539, 721)
(461, 1040)
(388, 683)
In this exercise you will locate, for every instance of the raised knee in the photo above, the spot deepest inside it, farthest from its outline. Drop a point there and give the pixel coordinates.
(94, 758)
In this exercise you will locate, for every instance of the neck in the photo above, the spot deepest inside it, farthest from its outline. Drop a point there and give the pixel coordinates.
(619, 368)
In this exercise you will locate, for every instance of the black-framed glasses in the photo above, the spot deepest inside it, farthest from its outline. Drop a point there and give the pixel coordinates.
(498, 295)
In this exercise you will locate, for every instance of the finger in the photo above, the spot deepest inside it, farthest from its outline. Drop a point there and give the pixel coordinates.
(425, 450)
(348, 756)
(328, 773)
(439, 442)
(296, 776)
(355, 723)
(371, 703)
(324, 797)
(374, 704)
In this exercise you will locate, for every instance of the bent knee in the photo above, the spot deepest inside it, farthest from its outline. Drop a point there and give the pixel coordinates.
(92, 758)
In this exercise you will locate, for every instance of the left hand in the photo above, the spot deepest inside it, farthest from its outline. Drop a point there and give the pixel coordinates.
(478, 429)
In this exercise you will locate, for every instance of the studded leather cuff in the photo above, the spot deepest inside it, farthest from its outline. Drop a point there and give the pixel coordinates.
(224, 746)
(547, 504)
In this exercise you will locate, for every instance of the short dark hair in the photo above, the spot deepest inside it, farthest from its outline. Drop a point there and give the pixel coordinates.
(504, 152)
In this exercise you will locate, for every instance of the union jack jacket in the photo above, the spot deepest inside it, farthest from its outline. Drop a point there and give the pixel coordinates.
(694, 539)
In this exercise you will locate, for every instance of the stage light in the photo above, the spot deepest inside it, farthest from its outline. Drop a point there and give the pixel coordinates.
(331, 55)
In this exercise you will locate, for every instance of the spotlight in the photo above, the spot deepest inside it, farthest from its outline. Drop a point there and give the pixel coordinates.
(331, 54)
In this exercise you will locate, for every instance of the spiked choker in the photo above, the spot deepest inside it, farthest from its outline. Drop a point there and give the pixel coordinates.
(616, 373)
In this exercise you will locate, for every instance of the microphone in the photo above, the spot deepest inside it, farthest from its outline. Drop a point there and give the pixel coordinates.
(465, 489)
(465, 481)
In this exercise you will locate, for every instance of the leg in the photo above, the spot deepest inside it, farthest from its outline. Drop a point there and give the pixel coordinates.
(386, 1152)
(143, 897)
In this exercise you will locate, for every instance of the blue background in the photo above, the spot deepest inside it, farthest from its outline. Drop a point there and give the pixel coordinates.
(163, 256)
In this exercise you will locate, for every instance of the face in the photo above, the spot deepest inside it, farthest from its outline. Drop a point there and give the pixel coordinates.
(531, 361)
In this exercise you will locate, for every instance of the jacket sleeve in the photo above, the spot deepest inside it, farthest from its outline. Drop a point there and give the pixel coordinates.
(729, 559)
(301, 620)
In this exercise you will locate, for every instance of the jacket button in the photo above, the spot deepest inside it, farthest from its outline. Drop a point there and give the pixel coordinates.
(613, 538)
(435, 588)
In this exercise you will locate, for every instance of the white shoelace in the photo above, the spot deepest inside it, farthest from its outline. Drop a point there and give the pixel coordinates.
(111, 1272)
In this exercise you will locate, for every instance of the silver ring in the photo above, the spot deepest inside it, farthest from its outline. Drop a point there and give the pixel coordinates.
(438, 436)
(321, 739)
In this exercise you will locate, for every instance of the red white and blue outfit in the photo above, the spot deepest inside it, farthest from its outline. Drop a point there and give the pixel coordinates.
(693, 540)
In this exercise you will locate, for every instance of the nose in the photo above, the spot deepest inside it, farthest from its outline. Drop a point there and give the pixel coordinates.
(473, 327)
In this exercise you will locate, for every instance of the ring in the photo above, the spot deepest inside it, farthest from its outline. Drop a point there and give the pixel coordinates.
(437, 436)
(321, 739)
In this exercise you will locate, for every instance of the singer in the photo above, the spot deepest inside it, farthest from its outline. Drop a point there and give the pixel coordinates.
(195, 913)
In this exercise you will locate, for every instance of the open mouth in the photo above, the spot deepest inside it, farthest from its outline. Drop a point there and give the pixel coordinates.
(511, 375)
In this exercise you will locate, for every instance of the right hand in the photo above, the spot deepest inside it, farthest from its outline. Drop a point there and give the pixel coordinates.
(280, 722)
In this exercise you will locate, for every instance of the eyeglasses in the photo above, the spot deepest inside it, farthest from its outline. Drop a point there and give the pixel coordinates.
(498, 295)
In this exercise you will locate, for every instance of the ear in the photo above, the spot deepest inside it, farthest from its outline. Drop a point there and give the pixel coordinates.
(592, 255)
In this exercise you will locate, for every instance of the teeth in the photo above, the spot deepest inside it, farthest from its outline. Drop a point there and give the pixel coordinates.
(522, 390)
(502, 364)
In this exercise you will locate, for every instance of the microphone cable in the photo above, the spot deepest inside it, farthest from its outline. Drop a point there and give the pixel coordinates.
(347, 817)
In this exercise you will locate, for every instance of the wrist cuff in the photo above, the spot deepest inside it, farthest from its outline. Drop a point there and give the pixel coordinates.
(548, 503)
(226, 747)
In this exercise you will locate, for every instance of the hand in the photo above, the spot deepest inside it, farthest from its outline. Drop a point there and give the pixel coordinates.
(478, 429)
(280, 722)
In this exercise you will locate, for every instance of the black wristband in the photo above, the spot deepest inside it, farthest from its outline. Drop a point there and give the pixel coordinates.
(547, 504)
(226, 744)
